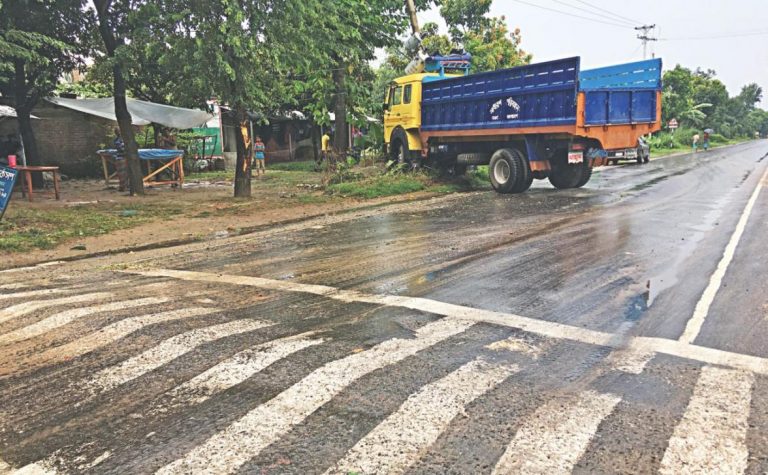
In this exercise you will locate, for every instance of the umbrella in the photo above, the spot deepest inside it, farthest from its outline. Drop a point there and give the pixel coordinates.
(709, 131)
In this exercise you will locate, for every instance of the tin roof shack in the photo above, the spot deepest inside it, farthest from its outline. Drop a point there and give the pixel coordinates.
(67, 138)
(287, 138)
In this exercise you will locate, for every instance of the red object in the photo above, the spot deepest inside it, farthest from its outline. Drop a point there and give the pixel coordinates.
(12, 161)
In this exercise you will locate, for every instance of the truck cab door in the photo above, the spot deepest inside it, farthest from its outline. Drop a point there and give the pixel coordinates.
(402, 108)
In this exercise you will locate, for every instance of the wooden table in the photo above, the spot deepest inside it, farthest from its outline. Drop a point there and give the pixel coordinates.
(175, 165)
(26, 180)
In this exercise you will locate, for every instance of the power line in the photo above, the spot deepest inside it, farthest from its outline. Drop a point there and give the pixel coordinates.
(716, 37)
(645, 38)
(619, 25)
(601, 15)
(634, 22)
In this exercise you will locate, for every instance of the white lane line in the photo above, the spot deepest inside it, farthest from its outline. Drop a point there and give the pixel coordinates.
(629, 360)
(229, 449)
(711, 437)
(555, 437)
(32, 293)
(168, 351)
(116, 331)
(35, 267)
(693, 327)
(234, 370)
(396, 443)
(540, 327)
(68, 316)
(21, 309)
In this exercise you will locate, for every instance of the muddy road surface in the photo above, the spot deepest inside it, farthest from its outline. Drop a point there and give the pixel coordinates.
(618, 328)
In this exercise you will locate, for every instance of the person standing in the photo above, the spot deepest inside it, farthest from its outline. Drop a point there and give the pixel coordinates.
(705, 143)
(259, 157)
(696, 142)
(325, 146)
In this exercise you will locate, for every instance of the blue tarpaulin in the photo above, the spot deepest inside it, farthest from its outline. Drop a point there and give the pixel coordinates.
(149, 153)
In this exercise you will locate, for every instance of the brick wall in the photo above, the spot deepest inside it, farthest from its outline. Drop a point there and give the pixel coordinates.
(68, 138)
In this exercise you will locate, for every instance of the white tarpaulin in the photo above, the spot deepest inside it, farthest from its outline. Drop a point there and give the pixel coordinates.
(8, 111)
(142, 112)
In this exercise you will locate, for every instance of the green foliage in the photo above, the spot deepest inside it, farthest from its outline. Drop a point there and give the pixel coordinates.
(697, 99)
(379, 186)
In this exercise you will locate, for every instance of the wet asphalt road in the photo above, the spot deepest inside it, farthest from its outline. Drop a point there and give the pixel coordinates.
(618, 328)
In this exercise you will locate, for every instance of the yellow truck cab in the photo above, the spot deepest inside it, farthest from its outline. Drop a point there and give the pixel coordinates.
(402, 116)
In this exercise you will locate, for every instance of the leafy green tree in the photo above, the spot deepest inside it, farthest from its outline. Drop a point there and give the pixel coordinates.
(39, 42)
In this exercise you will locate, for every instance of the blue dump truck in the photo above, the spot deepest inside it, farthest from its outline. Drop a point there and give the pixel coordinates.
(546, 120)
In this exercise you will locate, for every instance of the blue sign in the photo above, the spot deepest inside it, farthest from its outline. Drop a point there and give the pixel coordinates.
(7, 180)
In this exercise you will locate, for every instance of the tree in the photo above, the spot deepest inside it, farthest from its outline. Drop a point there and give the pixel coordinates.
(112, 22)
(487, 39)
(39, 41)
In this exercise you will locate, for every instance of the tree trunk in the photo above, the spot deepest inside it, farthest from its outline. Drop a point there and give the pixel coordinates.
(243, 165)
(24, 105)
(341, 139)
(135, 176)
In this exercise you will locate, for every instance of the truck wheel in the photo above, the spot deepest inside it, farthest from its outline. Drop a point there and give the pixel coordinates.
(586, 174)
(566, 176)
(398, 149)
(525, 179)
(504, 170)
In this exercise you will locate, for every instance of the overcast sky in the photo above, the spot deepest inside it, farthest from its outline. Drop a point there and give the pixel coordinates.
(737, 58)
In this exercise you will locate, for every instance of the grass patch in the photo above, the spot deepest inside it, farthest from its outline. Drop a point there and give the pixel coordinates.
(380, 186)
(305, 166)
(26, 229)
(221, 175)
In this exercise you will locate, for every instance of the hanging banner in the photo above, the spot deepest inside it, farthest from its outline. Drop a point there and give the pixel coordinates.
(7, 180)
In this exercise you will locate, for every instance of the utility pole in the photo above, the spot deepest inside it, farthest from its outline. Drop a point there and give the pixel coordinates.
(645, 38)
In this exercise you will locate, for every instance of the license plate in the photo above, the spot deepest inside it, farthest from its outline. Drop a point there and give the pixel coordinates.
(619, 154)
(575, 157)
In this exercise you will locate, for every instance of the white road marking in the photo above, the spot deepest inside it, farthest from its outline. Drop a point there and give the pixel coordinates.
(116, 331)
(25, 308)
(35, 267)
(693, 327)
(553, 439)
(234, 370)
(629, 360)
(711, 437)
(68, 316)
(229, 449)
(168, 351)
(540, 327)
(396, 443)
(32, 293)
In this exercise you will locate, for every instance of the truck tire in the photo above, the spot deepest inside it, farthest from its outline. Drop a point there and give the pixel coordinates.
(586, 174)
(504, 170)
(525, 179)
(399, 152)
(473, 158)
(566, 176)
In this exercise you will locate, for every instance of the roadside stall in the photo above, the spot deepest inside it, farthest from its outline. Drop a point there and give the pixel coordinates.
(160, 166)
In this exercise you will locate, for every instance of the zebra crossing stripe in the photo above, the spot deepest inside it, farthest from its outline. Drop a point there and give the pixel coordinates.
(167, 351)
(63, 318)
(31, 293)
(395, 444)
(116, 331)
(229, 449)
(235, 370)
(553, 439)
(25, 308)
(711, 437)
(710, 356)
